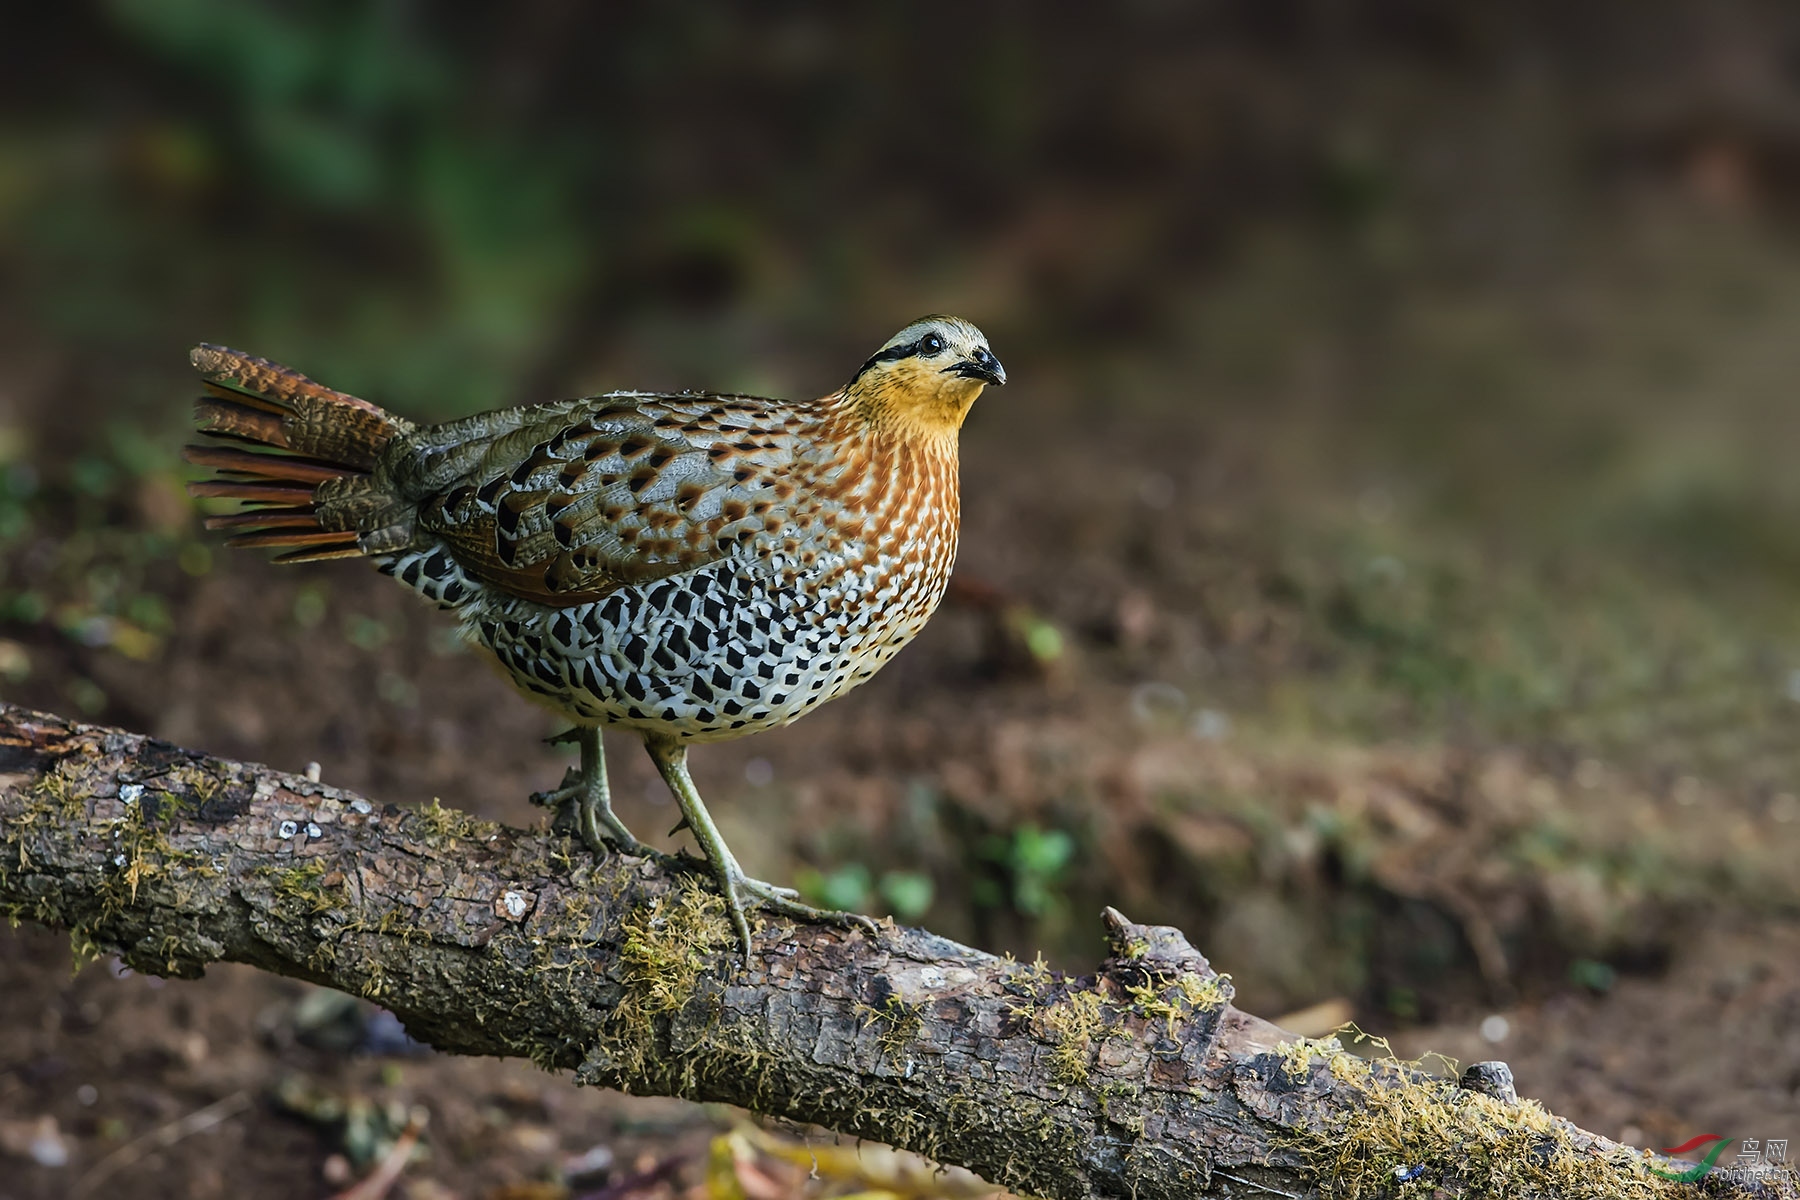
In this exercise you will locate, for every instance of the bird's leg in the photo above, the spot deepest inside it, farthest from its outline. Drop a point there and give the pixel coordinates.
(671, 759)
(590, 797)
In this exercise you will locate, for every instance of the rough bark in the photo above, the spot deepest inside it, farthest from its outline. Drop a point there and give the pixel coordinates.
(1140, 1081)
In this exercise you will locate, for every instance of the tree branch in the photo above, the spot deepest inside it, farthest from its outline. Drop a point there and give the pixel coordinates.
(1140, 1081)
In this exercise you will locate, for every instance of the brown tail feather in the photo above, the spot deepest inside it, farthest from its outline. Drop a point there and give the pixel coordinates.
(302, 538)
(251, 493)
(314, 420)
(270, 381)
(263, 466)
(265, 518)
(226, 418)
(306, 436)
(303, 556)
(219, 392)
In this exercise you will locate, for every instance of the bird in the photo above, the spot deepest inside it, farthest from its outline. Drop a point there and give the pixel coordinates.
(684, 566)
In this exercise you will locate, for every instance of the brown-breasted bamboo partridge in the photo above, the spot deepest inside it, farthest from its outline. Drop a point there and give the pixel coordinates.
(687, 566)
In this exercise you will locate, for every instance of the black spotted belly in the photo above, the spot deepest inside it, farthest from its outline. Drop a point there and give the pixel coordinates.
(712, 654)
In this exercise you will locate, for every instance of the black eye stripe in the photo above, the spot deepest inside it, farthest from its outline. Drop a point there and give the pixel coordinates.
(896, 353)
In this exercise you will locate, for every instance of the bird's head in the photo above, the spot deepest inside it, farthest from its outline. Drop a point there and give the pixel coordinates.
(924, 379)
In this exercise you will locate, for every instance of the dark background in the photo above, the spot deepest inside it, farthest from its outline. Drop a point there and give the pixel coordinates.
(1384, 563)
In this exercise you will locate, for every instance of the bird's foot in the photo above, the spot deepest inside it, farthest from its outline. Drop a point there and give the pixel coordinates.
(739, 889)
(592, 817)
(561, 793)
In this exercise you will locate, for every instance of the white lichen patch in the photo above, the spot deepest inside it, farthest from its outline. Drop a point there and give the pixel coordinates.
(512, 905)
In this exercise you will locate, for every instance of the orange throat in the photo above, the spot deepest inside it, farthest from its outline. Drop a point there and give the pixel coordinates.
(915, 403)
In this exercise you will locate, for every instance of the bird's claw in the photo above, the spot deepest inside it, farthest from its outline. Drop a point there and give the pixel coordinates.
(737, 887)
(595, 831)
(562, 793)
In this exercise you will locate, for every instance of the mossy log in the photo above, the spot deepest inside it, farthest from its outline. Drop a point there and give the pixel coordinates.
(1141, 1080)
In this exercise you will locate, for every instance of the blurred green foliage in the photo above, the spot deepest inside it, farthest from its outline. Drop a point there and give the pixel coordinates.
(292, 148)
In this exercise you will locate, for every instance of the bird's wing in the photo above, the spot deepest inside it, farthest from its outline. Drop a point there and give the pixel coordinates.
(565, 503)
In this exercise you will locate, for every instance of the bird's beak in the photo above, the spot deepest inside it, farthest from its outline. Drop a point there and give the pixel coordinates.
(984, 366)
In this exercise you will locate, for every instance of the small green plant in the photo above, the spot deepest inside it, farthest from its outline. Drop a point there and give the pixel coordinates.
(908, 893)
(437, 822)
(846, 888)
(852, 888)
(1033, 861)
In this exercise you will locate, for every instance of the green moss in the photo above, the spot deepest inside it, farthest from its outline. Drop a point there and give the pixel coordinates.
(170, 947)
(376, 984)
(1128, 1094)
(578, 906)
(82, 949)
(669, 943)
(55, 800)
(1175, 1000)
(1035, 974)
(435, 823)
(199, 784)
(1072, 1025)
(1205, 993)
(312, 885)
(900, 1023)
(63, 798)
(1297, 1056)
(148, 856)
(323, 957)
(1404, 1121)
(170, 806)
(1136, 948)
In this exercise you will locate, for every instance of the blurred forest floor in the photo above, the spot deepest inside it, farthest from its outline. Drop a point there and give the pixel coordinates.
(1383, 564)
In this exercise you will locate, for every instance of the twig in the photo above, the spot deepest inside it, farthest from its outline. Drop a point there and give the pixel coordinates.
(161, 1138)
(623, 1189)
(1261, 1187)
(383, 1177)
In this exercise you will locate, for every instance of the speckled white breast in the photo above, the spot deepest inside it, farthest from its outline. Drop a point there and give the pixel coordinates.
(719, 652)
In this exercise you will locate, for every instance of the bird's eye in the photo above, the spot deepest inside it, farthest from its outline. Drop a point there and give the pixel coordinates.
(931, 344)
